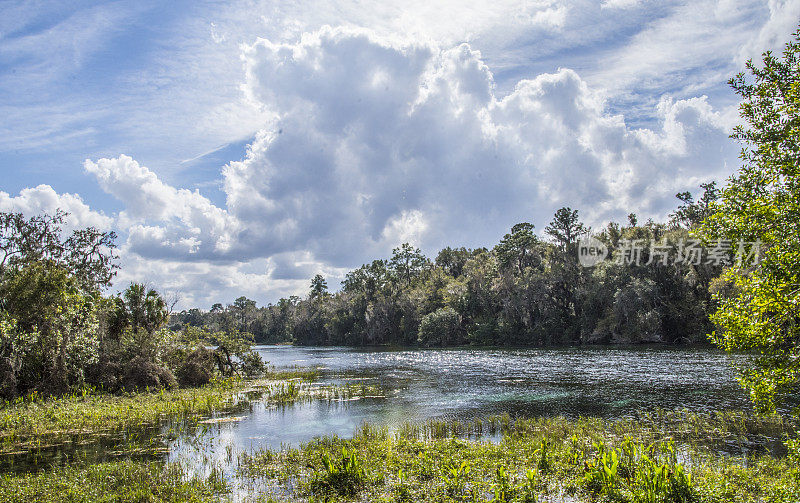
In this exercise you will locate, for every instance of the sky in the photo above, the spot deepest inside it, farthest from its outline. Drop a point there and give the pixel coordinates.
(240, 147)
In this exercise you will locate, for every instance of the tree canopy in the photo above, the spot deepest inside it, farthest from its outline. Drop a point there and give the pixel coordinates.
(761, 204)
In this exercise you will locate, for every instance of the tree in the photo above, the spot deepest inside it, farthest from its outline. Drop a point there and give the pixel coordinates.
(368, 279)
(87, 253)
(319, 287)
(518, 249)
(692, 213)
(440, 328)
(49, 334)
(407, 262)
(565, 228)
(244, 311)
(762, 203)
(138, 308)
(452, 260)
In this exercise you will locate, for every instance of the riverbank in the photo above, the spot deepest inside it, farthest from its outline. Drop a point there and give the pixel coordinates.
(34, 422)
(665, 457)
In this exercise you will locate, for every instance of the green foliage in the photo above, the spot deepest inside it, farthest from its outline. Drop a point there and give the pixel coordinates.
(87, 253)
(120, 481)
(762, 203)
(519, 249)
(692, 213)
(49, 328)
(455, 479)
(440, 328)
(137, 309)
(525, 291)
(565, 228)
(638, 474)
(625, 461)
(345, 475)
(319, 287)
(407, 263)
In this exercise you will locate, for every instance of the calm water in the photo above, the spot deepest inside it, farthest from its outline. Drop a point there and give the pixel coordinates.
(415, 385)
(468, 383)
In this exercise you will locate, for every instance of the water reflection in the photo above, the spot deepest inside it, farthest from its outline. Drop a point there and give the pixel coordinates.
(463, 384)
(416, 385)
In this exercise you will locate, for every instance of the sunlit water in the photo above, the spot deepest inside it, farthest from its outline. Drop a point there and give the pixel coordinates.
(463, 384)
(415, 385)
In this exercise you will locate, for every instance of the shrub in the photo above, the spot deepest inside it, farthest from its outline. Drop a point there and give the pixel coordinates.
(345, 476)
(252, 365)
(140, 374)
(196, 369)
(440, 328)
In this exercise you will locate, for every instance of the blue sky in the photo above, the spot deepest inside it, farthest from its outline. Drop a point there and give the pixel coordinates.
(241, 147)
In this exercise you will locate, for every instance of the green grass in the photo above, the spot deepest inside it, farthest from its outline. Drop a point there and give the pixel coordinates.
(28, 423)
(119, 481)
(663, 458)
(658, 457)
(34, 422)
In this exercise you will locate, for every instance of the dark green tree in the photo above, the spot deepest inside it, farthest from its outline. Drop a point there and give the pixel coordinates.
(407, 263)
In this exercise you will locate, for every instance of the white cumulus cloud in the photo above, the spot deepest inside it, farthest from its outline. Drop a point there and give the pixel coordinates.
(375, 141)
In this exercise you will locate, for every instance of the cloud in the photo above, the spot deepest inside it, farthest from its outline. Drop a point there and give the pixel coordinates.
(783, 20)
(44, 199)
(187, 225)
(377, 140)
(619, 4)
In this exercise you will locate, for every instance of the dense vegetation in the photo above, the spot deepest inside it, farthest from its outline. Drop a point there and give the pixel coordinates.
(759, 305)
(524, 291)
(59, 333)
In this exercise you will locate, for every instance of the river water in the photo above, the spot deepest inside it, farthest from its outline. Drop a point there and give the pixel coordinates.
(414, 385)
(419, 384)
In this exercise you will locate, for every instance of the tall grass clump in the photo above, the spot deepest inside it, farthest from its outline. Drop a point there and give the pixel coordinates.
(638, 474)
(343, 475)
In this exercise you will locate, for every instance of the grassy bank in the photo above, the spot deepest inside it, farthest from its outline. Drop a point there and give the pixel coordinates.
(657, 457)
(119, 481)
(31, 422)
(669, 457)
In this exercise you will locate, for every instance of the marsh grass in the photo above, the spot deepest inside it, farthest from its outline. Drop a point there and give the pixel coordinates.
(35, 423)
(655, 457)
(658, 458)
(119, 481)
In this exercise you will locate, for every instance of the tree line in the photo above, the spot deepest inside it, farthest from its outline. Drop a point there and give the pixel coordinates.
(524, 291)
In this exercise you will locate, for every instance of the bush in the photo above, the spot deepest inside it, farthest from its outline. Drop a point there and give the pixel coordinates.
(252, 365)
(440, 328)
(141, 374)
(197, 368)
(105, 375)
(8, 381)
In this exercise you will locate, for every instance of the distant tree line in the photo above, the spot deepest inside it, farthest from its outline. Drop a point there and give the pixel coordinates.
(524, 291)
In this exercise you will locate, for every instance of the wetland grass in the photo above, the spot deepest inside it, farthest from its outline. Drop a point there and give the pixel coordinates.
(663, 457)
